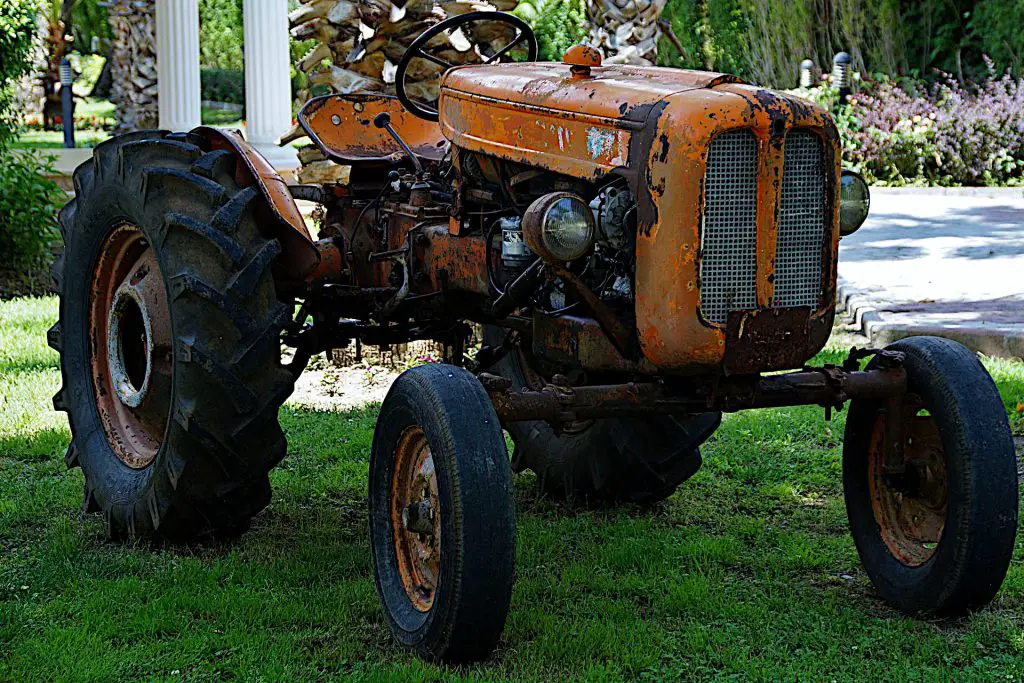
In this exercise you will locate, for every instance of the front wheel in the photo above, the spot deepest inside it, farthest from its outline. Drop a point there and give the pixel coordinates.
(442, 524)
(938, 538)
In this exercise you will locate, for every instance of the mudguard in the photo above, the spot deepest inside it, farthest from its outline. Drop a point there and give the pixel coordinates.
(299, 256)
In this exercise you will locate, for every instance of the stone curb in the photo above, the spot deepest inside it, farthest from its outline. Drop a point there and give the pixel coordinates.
(978, 192)
(863, 317)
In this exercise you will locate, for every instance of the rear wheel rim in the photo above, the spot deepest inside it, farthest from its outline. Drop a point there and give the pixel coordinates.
(910, 509)
(416, 518)
(130, 346)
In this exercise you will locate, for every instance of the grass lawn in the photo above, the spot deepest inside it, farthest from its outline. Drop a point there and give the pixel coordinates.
(103, 109)
(747, 572)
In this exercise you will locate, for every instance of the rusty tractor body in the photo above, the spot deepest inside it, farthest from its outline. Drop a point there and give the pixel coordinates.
(645, 248)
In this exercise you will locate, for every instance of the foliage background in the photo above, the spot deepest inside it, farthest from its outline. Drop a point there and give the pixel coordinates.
(28, 201)
(765, 40)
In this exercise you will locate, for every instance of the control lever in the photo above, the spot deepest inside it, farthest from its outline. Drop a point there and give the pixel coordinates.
(383, 120)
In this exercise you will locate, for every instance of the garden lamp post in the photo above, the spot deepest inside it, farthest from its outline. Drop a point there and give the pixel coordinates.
(67, 79)
(806, 74)
(841, 75)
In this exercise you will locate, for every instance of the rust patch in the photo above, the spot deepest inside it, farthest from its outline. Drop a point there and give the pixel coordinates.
(341, 126)
(416, 518)
(910, 508)
(130, 346)
(765, 340)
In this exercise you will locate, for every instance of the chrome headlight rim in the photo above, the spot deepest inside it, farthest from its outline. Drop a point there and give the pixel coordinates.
(849, 179)
(538, 229)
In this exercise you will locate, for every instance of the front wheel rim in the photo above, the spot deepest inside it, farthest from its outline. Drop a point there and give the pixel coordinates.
(130, 346)
(416, 518)
(910, 510)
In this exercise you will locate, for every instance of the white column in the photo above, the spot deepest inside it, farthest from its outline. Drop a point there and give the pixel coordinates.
(177, 59)
(268, 96)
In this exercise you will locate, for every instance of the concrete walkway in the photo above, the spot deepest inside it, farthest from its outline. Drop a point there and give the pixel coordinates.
(943, 262)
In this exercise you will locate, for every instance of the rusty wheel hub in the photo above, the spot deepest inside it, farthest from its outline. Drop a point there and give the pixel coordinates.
(416, 518)
(130, 346)
(910, 508)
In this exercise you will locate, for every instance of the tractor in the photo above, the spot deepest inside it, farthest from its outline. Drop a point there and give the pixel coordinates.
(637, 249)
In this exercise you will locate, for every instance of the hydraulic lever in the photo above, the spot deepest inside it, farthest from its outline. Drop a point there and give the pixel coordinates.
(383, 120)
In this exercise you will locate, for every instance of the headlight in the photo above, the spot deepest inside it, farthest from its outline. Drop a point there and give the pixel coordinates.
(854, 202)
(559, 227)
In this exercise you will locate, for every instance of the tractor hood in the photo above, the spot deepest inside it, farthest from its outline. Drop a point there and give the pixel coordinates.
(550, 115)
(611, 92)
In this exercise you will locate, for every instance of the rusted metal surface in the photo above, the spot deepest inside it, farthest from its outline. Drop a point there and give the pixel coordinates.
(670, 197)
(453, 261)
(332, 262)
(824, 386)
(130, 346)
(909, 505)
(342, 127)
(416, 518)
(544, 116)
(619, 335)
(298, 254)
(765, 340)
(579, 342)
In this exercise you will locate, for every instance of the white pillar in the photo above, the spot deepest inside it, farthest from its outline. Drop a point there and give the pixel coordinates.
(268, 92)
(177, 44)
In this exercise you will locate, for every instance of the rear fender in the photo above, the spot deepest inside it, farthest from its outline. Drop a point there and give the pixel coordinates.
(299, 256)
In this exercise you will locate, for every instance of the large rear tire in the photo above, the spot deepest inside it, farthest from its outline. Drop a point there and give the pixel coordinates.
(939, 538)
(442, 522)
(631, 460)
(169, 337)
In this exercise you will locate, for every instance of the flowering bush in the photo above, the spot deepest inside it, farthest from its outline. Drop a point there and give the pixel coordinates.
(943, 135)
(83, 122)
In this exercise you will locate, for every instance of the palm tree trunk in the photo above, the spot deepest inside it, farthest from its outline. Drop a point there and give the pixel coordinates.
(626, 31)
(347, 58)
(133, 64)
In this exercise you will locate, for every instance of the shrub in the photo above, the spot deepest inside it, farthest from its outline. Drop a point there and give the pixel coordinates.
(17, 37)
(945, 134)
(28, 201)
(223, 85)
(221, 34)
(559, 24)
(28, 207)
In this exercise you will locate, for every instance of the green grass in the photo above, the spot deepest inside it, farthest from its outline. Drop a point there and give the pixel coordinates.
(747, 572)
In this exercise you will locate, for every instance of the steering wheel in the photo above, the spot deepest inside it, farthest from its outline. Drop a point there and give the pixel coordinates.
(524, 34)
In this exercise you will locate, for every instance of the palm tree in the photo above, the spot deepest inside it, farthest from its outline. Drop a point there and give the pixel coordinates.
(626, 31)
(55, 24)
(133, 64)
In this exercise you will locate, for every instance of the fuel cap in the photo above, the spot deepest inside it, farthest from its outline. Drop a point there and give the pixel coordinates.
(581, 58)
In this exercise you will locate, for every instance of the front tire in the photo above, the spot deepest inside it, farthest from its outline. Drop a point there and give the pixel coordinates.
(938, 539)
(442, 523)
(169, 337)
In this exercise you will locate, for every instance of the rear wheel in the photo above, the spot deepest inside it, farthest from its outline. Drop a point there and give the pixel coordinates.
(634, 460)
(169, 336)
(442, 524)
(939, 537)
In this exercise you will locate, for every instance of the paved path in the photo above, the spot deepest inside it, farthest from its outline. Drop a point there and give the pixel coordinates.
(949, 263)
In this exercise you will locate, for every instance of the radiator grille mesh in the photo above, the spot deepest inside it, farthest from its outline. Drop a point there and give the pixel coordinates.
(728, 266)
(801, 222)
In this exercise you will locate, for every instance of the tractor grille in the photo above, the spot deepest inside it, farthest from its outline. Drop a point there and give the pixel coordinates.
(728, 266)
(801, 222)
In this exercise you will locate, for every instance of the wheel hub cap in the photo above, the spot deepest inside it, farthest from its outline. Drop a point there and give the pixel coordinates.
(415, 518)
(910, 510)
(130, 346)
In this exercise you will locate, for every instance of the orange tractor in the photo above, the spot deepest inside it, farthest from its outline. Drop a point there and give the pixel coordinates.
(644, 249)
